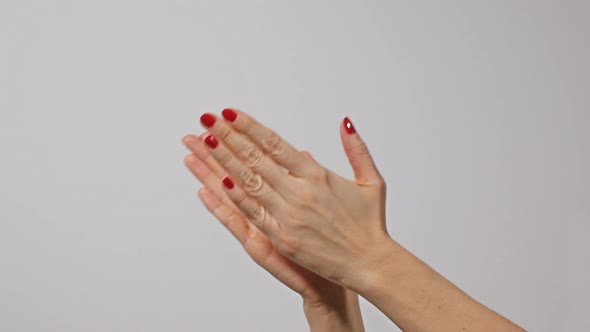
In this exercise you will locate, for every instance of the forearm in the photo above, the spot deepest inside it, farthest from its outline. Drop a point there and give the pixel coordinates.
(342, 314)
(417, 298)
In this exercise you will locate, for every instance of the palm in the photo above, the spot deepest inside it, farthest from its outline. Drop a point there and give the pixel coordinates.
(262, 251)
(256, 244)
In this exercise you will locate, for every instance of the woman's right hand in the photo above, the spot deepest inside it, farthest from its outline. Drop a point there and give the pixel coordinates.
(326, 223)
(335, 227)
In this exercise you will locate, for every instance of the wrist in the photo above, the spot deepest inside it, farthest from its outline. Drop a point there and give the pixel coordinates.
(365, 275)
(416, 297)
(340, 312)
(323, 317)
(338, 300)
(390, 268)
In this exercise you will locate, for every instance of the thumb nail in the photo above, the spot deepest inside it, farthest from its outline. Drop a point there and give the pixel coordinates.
(348, 126)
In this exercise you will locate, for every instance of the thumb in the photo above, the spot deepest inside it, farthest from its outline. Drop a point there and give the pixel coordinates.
(365, 171)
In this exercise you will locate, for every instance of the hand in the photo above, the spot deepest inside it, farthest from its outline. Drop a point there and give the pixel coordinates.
(325, 303)
(336, 227)
(324, 222)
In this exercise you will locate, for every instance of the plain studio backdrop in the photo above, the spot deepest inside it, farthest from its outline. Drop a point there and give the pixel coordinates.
(477, 113)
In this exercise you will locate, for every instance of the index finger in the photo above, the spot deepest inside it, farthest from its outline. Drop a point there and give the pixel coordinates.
(281, 151)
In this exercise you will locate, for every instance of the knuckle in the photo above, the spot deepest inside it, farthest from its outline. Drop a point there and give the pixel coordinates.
(318, 175)
(274, 144)
(292, 212)
(252, 182)
(257, 214)
(253, 156)
(299, 224)
(305, 197)
(240, 199)
(288, 244)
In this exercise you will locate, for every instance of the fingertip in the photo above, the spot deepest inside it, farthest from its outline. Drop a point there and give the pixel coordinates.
(188, 139)
(359, 157)
(348, 126)
(208, 120)
(229, 114)
(184, 138)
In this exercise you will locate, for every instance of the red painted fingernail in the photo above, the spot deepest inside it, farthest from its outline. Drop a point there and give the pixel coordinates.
(348, 125)
(211, 141)
(208, 120)
(229, 114)
(228, 183)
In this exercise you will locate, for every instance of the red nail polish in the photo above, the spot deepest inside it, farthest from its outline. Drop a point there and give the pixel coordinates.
(208, 120)
(229, 114)
(228, 183)
(211, 141)
(348, 125)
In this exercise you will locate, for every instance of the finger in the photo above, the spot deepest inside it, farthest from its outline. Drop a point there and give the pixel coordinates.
(234, 222)
(206, 177)
(281, 151)
(253, 241)
(198, 148)
(248, 152)
(255, 212)
(210, 161)
(202, 171)
(253, 184)
(365, 170)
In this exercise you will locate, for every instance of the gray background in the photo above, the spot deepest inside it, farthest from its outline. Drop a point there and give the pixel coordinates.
(476, 112)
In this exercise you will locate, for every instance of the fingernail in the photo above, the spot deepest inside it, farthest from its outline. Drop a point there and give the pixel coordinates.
(211, 141)
(348, 125)
(207, 120)
(228, 183)
(229, 114)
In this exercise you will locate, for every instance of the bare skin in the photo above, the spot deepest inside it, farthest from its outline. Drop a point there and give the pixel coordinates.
(331, 226)
(327, 306)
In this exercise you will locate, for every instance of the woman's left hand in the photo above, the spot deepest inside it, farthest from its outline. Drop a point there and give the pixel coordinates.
(313, 288)
(327, 306)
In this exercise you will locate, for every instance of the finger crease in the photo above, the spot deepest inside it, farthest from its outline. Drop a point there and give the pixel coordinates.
(253, 156)
(251, 180)
(224, 134)
(273, 144)
(257, 214)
